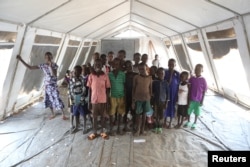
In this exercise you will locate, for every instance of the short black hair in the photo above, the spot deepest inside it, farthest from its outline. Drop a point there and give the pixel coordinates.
(78, 68)
(184, 73)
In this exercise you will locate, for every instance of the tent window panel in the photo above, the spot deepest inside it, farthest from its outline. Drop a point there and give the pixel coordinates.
(74, 43)
(7, 37)
(91, 53)
(5, 55)
(67, 60)
(182, 57)
(82, 56)
(86, 43)
(47, 40)
(229, 67)
(197, 57)
(33, 79)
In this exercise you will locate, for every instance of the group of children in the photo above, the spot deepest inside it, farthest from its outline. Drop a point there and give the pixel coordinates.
(116, 89)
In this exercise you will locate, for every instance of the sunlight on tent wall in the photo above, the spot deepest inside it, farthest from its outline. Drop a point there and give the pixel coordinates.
(197, 57)
(7, 41)
(228, 63)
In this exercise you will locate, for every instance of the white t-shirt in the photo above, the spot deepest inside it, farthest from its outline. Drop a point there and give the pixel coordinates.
(183, 94)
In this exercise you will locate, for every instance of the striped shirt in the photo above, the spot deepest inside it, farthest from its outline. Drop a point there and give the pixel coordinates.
(117, 84)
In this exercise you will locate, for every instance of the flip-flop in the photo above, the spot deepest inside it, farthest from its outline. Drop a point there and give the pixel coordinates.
(186, 124)
(104, 136)
(193, 126)
(92, 136)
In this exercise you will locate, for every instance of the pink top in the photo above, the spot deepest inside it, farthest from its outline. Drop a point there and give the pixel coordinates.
(98, 87)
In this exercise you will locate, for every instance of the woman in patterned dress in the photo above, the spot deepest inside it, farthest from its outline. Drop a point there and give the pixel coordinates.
(49, 68)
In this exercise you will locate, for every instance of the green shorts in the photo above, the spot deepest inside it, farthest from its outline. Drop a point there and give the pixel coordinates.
(142, 107)
(194, 106)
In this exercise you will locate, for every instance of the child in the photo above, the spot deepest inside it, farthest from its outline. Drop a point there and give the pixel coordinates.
(78, 95)
(99, 84)
(173, 79)
(128, 93)
(142, 92)
(198, 87)
(117, 80)
(182, 98)
(137, 59)
(160, 98)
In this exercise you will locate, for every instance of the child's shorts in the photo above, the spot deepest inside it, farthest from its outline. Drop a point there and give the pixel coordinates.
(79, 109)
(117, 105)
(142, 107)
(195, 107)
(182, 110)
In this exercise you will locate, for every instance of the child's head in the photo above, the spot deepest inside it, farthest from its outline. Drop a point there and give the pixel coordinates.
(98, 65)
(184, 76)
(171, 64)
(160, 73)
(77, 70)
(110, 56)
(116, 63)
(103, 58)
(144, 58)
(96, 56)
(153, 70)
(198, 69)
(142, 69)
(48, 57)
(67, 73)
(85, 70)
(128, 65)
(156, 56)
(121, 54)
(137, 58)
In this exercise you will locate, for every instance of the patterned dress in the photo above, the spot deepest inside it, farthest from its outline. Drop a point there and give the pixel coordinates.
(52, 99)
(173, 92)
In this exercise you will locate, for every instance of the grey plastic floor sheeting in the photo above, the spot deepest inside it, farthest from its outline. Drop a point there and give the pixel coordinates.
(30, 139)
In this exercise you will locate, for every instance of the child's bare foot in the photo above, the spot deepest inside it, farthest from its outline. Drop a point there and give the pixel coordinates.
(52, 117)
(136, 134)
(177, 126)
(64, 117)
(169, 126)
(143, 133)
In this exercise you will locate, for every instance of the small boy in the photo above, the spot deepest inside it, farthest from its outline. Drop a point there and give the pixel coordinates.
(182, 98)
(78, 95)
(198, 87)
(160, 98)
(117, 80)
(142, 92)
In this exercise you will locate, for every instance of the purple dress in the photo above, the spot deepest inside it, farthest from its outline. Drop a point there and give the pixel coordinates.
(52, 99)
(173, 92)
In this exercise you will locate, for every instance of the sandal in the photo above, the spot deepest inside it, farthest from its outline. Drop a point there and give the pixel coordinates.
(193, 126)
(92, 136)
(104, 136)
(186, 124)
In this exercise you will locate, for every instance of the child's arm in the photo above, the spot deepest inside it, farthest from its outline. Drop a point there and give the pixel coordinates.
(26, 65)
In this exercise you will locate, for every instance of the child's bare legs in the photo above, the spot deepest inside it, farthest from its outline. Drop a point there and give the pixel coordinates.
(165, 123)
(84, 124)
(138, 124)
(52, 114)
(143, 123)
(111, 118)
(118, 124)
(178, 122)
(169, 125)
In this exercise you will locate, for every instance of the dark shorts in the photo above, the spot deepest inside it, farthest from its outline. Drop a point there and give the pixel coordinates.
(80, 110)
(142, 107)
(159, 109)
(182, 110)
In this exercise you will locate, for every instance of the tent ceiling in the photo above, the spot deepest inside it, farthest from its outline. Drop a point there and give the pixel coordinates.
(102, 18)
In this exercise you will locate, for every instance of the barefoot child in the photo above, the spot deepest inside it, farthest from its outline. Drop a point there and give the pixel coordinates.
(51, 99)
(141, 94)
(182, 98)
(99, 84)
(198, 87)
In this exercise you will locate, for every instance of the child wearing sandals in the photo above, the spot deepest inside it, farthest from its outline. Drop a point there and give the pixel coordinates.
(99, 84)
(198, 87)
(142, 92)
(182, 98)
(160, 98)
(78, 95)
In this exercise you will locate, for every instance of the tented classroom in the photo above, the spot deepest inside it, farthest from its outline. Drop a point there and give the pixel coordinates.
(214, 33)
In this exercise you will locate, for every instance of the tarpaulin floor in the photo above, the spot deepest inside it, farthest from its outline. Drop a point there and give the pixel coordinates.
(30, 139)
